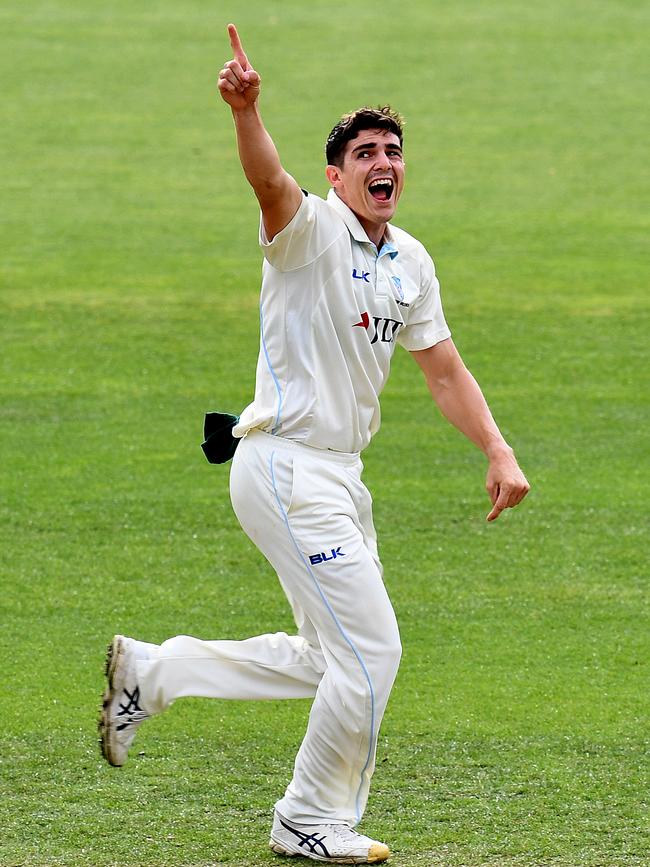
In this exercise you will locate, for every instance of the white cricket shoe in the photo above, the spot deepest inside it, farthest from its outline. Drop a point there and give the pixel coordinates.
(121, 713)
(338, 844)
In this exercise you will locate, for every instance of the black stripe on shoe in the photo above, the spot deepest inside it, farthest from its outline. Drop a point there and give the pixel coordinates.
(309, 842)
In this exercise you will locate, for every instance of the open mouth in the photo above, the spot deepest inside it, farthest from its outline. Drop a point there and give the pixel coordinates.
(381, 189)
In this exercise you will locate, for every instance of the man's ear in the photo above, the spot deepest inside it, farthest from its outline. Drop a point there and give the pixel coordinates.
(333, 174)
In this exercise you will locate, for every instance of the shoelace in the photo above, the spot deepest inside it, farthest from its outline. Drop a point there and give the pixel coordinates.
(346, 835)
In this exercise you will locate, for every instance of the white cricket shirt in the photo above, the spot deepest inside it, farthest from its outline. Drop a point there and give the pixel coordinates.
(332, 309)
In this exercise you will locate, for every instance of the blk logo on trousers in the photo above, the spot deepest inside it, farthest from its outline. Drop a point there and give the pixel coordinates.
(314, 559)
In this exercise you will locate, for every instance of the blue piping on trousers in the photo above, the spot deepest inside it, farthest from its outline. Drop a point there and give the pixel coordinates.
(346, 638)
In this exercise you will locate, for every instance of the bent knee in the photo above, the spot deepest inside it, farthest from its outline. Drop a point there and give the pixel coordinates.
(382, 664)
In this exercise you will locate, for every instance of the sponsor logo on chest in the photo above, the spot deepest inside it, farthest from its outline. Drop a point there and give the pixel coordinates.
(380, 329)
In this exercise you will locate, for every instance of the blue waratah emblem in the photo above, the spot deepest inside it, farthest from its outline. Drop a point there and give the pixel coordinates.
(398, 286)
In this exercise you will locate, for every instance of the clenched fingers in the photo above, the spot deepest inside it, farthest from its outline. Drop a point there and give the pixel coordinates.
(233, 76)
(507, 495)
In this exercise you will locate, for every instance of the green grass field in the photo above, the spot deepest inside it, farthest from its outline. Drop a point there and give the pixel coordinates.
(518, 732)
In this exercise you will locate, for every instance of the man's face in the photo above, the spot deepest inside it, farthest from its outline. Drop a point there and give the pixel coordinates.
(371, 179)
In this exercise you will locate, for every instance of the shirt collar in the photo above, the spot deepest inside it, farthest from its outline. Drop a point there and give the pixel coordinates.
(357, 231)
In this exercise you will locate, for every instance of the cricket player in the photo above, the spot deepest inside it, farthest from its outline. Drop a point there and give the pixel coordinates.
(341, 288)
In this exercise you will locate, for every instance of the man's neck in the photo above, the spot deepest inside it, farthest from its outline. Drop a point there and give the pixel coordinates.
(375, 231)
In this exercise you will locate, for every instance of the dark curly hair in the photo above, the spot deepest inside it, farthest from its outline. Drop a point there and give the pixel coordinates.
(351, 124)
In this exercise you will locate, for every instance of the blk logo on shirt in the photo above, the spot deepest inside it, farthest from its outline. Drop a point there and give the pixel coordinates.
(383, 330)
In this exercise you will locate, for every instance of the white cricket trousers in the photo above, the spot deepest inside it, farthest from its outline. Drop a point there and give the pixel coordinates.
(310, 514)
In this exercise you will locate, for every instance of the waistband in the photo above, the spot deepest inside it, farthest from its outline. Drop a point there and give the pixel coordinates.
(346, 458)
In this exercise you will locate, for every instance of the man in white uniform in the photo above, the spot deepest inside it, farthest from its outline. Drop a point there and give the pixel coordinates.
(341, 287)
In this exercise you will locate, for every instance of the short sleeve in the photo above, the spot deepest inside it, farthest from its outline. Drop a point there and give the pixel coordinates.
(426, 323)
(311, 231)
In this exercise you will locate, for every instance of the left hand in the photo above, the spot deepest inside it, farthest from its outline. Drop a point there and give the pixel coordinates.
(506, 484)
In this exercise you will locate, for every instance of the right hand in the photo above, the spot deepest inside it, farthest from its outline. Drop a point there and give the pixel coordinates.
(239, 84)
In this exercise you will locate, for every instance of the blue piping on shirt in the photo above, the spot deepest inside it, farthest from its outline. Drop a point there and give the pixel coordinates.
(272, 372)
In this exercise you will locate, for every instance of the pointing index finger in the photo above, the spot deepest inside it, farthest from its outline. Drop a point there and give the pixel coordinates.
(235, 44)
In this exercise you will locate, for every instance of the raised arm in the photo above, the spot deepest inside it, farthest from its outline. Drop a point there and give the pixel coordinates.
(277, 192)
(460, 399)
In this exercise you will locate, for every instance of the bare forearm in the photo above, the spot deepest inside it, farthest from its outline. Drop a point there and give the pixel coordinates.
(277, 192)
(461, 401)
(258, 155)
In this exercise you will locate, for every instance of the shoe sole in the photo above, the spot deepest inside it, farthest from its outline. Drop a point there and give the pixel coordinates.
(113, 653)
(379, 854)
